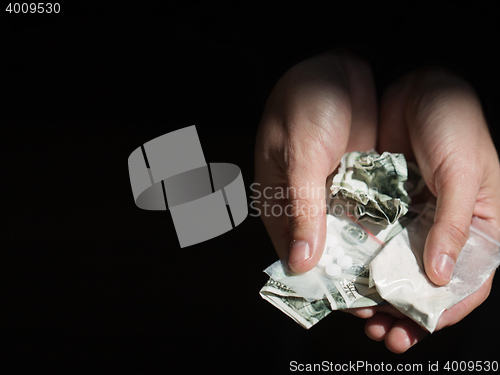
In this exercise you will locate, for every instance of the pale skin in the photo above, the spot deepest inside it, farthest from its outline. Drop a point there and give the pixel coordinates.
(326, 106)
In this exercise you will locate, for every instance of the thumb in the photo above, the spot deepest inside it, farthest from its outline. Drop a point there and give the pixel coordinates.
(306, 218)
(456, 199)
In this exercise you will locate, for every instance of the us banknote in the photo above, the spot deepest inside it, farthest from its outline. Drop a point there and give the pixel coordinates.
(375, 190)
(309, 297)
(374, 184)
(308, 313)
(340, 294)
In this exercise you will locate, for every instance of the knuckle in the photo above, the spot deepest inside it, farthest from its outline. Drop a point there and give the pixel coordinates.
(303, 211)
(458, 233)
(457, 169)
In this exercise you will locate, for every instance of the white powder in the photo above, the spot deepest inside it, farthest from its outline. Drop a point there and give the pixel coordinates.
(399, 276)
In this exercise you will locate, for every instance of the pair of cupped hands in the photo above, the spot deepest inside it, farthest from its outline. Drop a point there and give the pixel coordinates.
(326, 106)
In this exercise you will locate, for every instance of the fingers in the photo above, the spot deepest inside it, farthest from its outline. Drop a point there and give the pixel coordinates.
(368, 312)
(304, 132)
(385, 323)
(399, 334)
(450, 231)
(403, 335)
(447, 129)
(378, 326)
(306, 200)
(312, 149)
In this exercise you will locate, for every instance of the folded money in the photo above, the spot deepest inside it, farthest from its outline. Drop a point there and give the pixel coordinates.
(374, 184)
(371, 187)
(308, 313)
(309, 297)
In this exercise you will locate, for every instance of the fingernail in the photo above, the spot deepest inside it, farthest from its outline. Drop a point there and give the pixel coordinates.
(444, 266)
(299, 252)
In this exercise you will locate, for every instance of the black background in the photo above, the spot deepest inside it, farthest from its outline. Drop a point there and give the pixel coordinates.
(91, 282)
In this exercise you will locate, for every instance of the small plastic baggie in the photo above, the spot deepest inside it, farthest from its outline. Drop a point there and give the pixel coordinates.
(399, 276)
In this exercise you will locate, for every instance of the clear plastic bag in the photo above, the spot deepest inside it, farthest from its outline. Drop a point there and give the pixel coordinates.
(399, 276)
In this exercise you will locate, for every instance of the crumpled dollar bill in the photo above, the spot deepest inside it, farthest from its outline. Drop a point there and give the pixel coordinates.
(374, 184)
(309, 297)
(308, 313)
(369, 187)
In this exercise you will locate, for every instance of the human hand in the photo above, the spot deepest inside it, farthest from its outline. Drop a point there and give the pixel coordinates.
(319, 109)
(325, 107)
(435, 118)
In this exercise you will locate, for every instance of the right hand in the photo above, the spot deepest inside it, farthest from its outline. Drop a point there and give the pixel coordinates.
(320, 109)
(435, 117)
